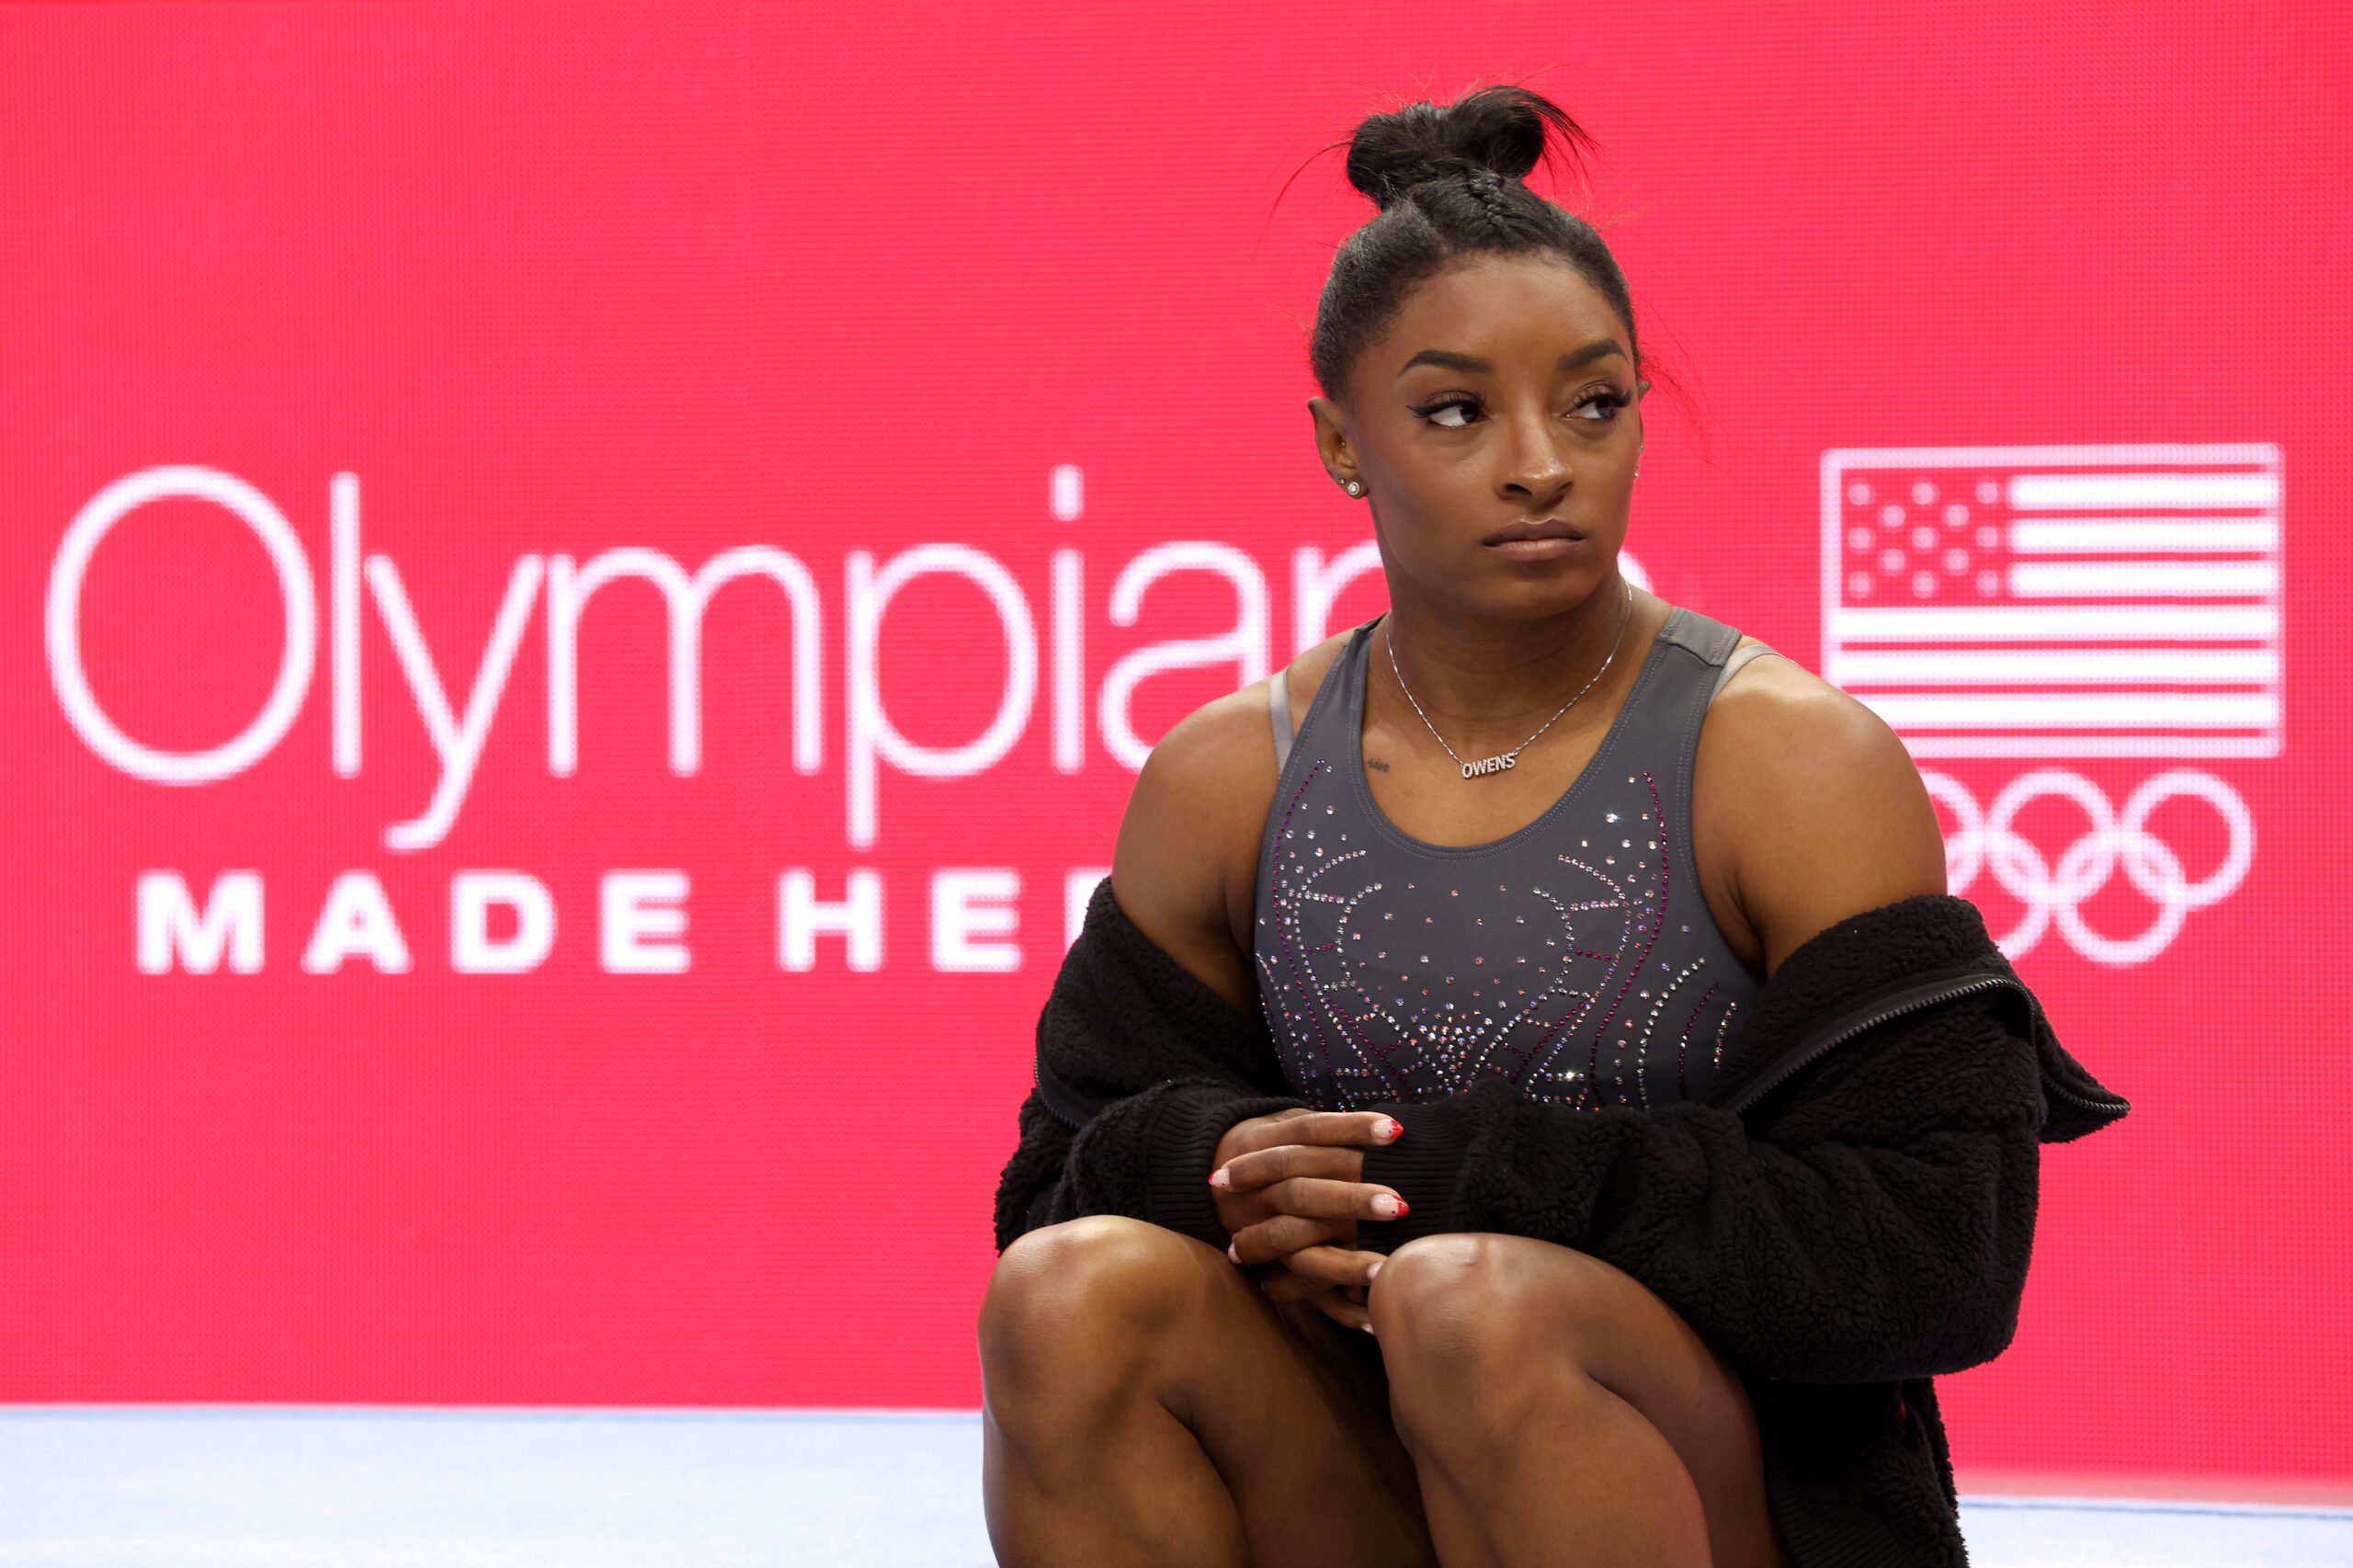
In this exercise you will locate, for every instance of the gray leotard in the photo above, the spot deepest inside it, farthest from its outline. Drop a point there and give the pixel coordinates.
(1575, 957)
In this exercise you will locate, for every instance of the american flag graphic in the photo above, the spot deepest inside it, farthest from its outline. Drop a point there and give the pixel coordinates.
(2057, 601)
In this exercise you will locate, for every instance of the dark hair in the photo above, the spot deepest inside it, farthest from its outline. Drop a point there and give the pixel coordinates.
(1448, 179)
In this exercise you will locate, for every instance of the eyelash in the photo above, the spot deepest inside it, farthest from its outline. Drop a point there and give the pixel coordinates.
(1606, 397)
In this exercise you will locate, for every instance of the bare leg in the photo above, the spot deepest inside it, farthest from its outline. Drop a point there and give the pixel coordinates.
(1146, 1403)
(1558, 1410)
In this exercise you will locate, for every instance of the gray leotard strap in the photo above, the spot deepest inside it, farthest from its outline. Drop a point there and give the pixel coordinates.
(1279, 707)
(1731, 665)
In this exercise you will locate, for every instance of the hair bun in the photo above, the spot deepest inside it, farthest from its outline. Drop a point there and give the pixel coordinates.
(1499, 129)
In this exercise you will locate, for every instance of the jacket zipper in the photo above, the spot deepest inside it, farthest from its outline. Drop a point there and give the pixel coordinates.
(1812, 1052)
(1058, 1096)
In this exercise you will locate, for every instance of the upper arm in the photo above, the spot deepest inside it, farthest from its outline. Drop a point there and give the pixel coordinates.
(1185, 868)
(1188, 840)
(1830, 817)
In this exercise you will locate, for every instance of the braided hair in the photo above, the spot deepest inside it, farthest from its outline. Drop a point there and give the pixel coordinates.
(1448, 179)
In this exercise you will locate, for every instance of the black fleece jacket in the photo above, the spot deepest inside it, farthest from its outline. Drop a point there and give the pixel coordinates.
(1848, 1213)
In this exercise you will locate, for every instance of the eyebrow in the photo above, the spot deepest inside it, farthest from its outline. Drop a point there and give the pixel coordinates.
(1448, 360)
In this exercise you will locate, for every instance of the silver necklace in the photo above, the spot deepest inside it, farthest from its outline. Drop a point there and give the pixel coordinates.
(1503, 762)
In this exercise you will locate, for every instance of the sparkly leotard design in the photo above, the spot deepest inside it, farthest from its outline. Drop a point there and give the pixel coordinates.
(1575, 956)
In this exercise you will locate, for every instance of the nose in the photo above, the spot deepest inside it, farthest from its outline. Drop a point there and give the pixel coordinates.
(1533, 474)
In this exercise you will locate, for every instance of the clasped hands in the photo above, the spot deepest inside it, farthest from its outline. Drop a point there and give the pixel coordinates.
(1289, 1188)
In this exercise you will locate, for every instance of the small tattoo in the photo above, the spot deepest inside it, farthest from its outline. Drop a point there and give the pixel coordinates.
(1376, 762)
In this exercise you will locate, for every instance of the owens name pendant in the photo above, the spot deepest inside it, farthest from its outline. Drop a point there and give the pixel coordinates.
(1504, 761)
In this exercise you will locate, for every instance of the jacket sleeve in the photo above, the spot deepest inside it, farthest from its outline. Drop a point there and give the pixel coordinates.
(1146, 1155)
(1869, 1219)
(1172, 1067)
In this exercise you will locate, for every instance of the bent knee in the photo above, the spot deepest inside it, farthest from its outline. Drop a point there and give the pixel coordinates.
(1440, 1294)
(1077, 1288)
(1450, 1305)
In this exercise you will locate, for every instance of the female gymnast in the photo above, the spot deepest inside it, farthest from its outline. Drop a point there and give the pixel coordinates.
(1424, 853)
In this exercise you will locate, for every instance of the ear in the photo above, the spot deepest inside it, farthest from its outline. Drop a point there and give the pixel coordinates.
(1332, 443)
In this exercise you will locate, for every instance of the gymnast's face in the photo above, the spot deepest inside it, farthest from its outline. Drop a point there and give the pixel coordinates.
(1504, 393)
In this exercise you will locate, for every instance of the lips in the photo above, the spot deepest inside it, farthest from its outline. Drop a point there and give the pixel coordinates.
(1529, 527)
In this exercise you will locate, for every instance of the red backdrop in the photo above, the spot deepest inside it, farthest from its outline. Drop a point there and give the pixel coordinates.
(402, 995)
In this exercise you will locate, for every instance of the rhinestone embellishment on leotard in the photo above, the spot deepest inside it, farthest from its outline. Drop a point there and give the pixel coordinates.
(1563, 990)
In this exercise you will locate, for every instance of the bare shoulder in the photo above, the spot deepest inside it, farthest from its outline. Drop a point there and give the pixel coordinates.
(1185, 865)
(1817, 800)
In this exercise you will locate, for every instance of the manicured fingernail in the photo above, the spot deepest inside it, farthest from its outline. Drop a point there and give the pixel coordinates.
(1218, 1177)
(1367, 1327)
(1388, 1205)
(1374, 1272)
(1232, 1253)
(1392, 1129)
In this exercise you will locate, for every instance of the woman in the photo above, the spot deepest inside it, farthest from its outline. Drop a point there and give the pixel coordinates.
(1423, 959)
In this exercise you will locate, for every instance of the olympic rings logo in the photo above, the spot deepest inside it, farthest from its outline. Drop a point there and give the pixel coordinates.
(1985, 841)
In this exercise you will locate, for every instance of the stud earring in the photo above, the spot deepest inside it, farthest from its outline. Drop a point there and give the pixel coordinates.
(1355, 488)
